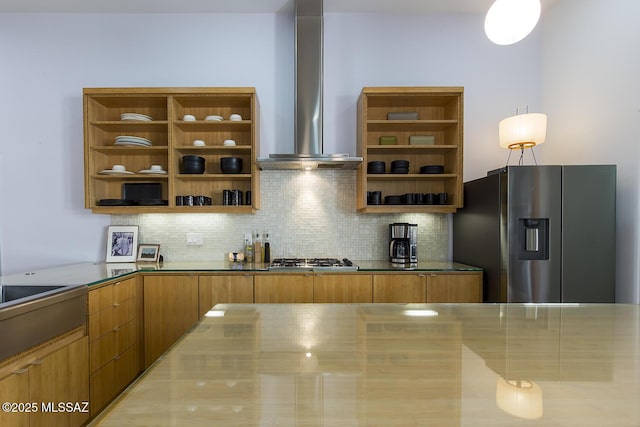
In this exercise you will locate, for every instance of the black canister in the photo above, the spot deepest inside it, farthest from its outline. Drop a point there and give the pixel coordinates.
(247, 198)
(226, 197)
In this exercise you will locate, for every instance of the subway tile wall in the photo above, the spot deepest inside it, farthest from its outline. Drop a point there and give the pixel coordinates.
(307, 214)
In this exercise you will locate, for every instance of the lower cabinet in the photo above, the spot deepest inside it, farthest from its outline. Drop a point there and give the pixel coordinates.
(56, 372)
(454, 287)
(458, 287)
(170, 309)
(399, 288)
(283, 288)
(227, 289)
(342, 288)
(313, 288)
(115, 339)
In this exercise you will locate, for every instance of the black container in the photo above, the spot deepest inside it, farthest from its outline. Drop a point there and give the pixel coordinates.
(442, 198)
(374, 197)
(192, 164)
(429, 198)
(432, 169)
(247, 198)
(393, 200)
(231, 164)
(376, 167)
(226, 197)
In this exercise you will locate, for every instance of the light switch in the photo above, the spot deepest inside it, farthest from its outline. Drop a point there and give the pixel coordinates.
(195, 239)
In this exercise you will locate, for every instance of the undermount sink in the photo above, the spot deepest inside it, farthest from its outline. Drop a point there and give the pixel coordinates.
(14, 292)
(33, 314)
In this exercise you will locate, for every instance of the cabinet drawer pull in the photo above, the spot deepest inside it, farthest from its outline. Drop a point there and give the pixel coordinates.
(36, 362)
(116, 304)
(433, 275)
(116, 329)
(21, 371)
(422, 275)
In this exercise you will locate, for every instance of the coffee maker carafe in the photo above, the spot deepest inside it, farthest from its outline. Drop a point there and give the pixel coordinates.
(403, 243)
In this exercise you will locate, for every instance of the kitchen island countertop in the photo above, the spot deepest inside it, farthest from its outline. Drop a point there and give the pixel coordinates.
(92, 273)
(390, 365)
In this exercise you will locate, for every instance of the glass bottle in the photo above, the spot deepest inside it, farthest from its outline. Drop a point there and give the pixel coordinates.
(248, 249)
(257, 247)
(266, 247)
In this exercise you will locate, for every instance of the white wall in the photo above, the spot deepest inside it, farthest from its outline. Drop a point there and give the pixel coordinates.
(591, 93)
(48, 58)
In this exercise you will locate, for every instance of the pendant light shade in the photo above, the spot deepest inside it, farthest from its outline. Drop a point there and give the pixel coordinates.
(523, 130)
(509, 21)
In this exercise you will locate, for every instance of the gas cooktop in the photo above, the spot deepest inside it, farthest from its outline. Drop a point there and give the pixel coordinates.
(312, 264)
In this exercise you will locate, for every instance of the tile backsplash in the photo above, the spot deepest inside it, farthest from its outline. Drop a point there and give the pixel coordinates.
(307, 214)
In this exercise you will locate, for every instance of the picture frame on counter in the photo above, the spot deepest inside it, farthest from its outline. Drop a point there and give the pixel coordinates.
(122, 243)
(148, 253)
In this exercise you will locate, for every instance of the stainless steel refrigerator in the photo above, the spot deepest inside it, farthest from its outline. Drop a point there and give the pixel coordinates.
(541, 233)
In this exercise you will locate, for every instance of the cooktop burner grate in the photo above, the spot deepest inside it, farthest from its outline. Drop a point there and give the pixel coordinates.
(311, 263)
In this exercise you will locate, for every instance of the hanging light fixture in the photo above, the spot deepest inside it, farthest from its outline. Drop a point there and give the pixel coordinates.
(523, 131)
(509, 21)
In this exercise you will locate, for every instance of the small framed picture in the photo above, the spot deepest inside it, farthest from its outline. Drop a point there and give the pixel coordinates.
(148, 253)
(122, 243)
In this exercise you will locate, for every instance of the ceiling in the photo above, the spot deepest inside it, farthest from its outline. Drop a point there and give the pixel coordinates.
(246, 6)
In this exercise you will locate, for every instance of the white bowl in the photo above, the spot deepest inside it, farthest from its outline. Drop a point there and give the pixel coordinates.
(214, 118)
(198, 143)
(156, 168)
(235, 117)
(189, 118)
(118, 168)
(229, 143)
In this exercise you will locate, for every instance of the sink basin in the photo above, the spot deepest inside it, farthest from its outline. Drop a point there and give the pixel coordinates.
(33, 314)
(13, 292)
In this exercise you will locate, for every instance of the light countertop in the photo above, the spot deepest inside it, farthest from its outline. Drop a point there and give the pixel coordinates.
(395, 365)
(91, 273)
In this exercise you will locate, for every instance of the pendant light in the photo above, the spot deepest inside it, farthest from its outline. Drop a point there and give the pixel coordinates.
(509, 21)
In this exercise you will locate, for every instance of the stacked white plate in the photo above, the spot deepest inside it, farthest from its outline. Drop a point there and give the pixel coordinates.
(136, 117)
(152, 172)
(214, 118)
(133, 141)
(115, 172)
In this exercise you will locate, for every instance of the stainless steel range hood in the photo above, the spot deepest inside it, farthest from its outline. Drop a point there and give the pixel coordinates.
(308, 153)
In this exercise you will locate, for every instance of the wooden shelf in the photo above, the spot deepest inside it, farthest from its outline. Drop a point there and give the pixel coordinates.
(440, 114)
(172, 137)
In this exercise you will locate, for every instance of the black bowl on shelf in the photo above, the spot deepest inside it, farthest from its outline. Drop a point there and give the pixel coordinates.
(115, 202)
(231, 164)
(400, 163)
(192, 164)
(400, 170)
(376, 167)
(432, 169)
(393, 200)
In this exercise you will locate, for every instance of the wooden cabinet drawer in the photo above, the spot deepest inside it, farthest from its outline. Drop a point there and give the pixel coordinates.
(125, 311)
(101, 323)
(100, 298)
(126, 336)
(124, 290)
(102, 351)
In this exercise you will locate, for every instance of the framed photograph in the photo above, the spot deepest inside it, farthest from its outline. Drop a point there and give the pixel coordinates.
(148, 253)
(122, 243)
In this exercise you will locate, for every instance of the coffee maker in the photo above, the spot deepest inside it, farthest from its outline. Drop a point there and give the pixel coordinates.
(403, 243)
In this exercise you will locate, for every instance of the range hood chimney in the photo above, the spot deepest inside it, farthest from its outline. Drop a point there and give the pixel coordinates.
(308, 153)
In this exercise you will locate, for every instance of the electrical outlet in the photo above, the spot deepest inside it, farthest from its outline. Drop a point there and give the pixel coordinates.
(195, 239)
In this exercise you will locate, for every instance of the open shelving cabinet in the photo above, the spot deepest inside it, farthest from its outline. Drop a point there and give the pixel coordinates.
(439, 115)
(172, 138)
